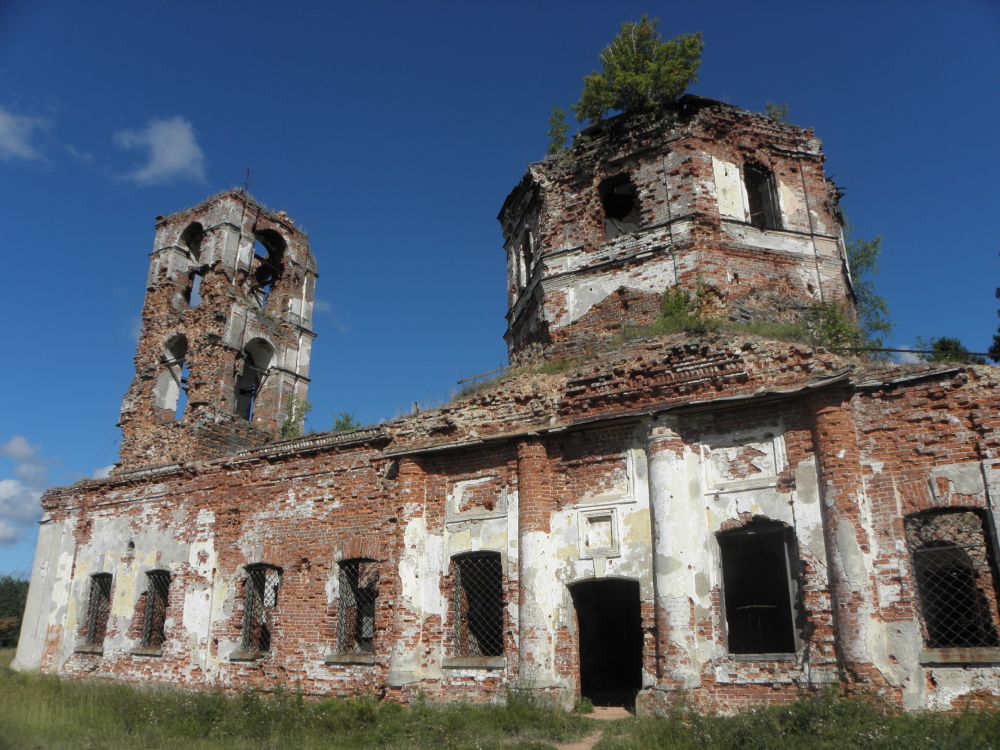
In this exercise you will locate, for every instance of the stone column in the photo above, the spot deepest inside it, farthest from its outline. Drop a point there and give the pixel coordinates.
(844, 505)
(405, 665)
(539, 593)
(678, 549)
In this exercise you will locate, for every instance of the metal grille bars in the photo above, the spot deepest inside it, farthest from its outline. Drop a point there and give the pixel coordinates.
(157, 591)
(261, 598)
(478, 605)
(356, 614)
(98, 607)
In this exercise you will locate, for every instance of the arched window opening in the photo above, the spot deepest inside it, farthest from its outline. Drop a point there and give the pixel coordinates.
(191, 239)
(170, 393)
(266, 268)
(477, 604)
(257, 357)
(620, 201)
(762, 197)
(759, 588)
(527, 258)
(98, 608)
(155, 614)
(358, 584)
(954, 571)
(261, 597)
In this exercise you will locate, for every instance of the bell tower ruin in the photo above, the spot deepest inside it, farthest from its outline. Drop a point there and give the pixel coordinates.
(223, 357)
(702, 197)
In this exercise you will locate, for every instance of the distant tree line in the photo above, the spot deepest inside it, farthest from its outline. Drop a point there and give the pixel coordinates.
(13, 595)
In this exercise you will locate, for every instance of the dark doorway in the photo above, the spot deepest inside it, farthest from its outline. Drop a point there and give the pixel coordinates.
(607, 614)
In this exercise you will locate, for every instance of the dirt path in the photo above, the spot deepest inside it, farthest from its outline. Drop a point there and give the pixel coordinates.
(601, 713)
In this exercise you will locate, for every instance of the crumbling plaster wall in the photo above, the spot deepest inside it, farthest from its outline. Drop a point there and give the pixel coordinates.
(216, 328)
(695, 230)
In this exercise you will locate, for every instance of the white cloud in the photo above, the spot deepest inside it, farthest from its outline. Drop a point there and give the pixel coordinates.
(19, 498)
(102, 472)
(322, 306)
(16, 133)
(172, 151)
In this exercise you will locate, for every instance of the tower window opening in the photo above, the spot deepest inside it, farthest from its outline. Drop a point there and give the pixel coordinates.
(762, 197)
(257, 356)
(194, 288)
(620, 201)
(170, 393)
(191, 240)
(266, 268)
(759, 588)
(527, 257)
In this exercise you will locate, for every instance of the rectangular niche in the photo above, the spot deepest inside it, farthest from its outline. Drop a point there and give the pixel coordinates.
(598, 533)
(743, 461)
(476, 499)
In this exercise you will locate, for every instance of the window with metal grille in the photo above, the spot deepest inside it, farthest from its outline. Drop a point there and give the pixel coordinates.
(759, 588)
(262, 586)
(356, 615)
(98, 608)
(478, 604)
(954, 569)
(155, 616)
(762, 197)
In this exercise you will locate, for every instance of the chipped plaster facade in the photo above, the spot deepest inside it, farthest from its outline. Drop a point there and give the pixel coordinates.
(632, 467)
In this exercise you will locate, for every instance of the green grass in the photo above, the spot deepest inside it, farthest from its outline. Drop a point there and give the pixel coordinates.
(39, 712)
(47, 713)
(823, 723)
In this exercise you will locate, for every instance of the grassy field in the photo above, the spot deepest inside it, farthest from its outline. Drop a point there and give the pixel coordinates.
(45, 713)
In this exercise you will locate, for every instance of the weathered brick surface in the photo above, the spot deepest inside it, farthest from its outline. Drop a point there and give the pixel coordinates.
(627, 465)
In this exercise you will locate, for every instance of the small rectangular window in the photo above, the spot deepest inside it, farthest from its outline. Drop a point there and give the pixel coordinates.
(262, 586)
(155, 616)
(356, 612)
(620, 201)
(758, 588)
(956, 586)
(98, 608)
(478, 604)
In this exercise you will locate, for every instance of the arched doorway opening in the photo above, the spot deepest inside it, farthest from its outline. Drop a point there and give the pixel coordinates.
(610, 638)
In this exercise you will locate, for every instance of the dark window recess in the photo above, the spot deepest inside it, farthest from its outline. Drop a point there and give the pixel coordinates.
(620, 201)
(478, 605)
(266, 267)
(758, 589)
(762, 196)
(98, 608)
(527, 255)
(155, 616)
(262, 586)
(257, 357)
(954, 571)
(356, 615)
(191, 239)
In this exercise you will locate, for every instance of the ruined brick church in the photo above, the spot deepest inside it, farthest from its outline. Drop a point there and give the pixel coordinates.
(721, 518)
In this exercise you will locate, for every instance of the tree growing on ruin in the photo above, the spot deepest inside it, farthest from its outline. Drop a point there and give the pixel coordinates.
(995, 348)
(873, 310)
(558, 128)
(345, 422)
(639, 70)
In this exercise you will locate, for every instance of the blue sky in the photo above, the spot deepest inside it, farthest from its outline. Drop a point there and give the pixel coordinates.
(392, 133)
